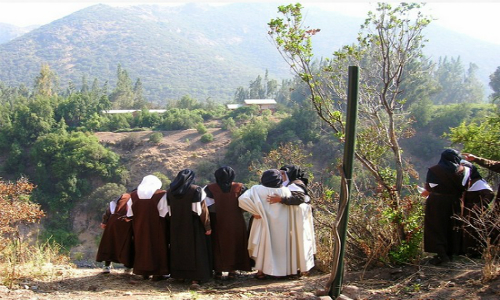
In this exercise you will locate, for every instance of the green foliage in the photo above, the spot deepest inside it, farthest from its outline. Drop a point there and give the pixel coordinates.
(244, 113)
(179, 118)
(66, 165)
(97, 202)
(449, 116)
(456, 85)
(200, 127)
(156, 137)
(495, 85)
(15, 162)
(207, 138)
(164, 180)
(122, 96)
(411, 214)
(205, 171)
(114, 122)
(247, 145)
(228, 124)
(63, 238)
(481, 136)
(303, 125)
(144, 118)
(33, 119)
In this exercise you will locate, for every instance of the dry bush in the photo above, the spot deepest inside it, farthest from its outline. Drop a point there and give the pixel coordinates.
(371, 235)
(19, 258)
(42, 262)
(16, 210)
(130, 142)
(483, 221)
(324, 214)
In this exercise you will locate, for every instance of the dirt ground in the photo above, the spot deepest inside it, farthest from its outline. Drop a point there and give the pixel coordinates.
(458, 280)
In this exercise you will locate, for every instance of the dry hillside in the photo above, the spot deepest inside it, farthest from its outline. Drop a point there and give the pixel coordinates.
(179, 149)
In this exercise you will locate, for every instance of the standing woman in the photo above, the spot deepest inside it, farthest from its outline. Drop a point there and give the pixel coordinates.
(229, 235)
(149, 207)
(189, 230)
(116, 243)
(301, 214)
(445, 186)
(271, 235)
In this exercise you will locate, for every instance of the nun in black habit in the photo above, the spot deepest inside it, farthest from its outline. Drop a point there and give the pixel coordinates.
(445, 185)
(190, 255)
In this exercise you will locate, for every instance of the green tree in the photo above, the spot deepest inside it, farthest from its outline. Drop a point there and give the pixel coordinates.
(122, 96)
(457, 85)
(247, 146)
(473, 88)
(495, 85)
(139, 100)
(177, 119)
(46, 82)
(480, 136)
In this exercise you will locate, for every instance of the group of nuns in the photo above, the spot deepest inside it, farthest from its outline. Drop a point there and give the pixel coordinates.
(192, 233)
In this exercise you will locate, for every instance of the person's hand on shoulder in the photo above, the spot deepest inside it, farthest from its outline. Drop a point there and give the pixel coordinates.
(469, 157)
(273, 199)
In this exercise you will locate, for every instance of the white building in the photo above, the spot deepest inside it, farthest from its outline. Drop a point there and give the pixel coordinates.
(262, 103)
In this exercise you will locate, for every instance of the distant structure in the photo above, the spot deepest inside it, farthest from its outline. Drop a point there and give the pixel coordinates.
(261, 103)
(127, 111)
(233, 106)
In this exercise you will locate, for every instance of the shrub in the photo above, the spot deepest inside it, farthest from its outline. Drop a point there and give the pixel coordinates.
(228, 124)
(17, 209)
(155, 137)
(130, 142)
(201, 128)
(207, 138)
(164, 180)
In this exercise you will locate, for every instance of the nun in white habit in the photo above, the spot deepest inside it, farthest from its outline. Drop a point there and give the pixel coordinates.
(271, 236)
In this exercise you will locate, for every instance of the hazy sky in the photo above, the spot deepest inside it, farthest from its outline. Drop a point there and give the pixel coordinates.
(479, 19)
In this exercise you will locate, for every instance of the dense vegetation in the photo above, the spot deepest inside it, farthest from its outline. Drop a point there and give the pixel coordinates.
(46, 134)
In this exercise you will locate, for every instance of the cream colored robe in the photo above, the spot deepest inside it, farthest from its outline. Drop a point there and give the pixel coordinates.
(272, 242)
(303, 228)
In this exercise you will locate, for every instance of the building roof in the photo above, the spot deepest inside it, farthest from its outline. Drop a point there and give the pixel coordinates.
(260, 101)
(233, 106)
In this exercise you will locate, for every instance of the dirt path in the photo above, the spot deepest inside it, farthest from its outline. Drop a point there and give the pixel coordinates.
(458, 280)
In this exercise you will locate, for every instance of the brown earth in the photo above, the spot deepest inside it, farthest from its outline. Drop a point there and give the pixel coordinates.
(178, 149)
(458, 280)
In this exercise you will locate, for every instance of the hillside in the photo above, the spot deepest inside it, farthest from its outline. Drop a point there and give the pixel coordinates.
(9, 32)
(179, 149)
(194, 49)
(165, 47)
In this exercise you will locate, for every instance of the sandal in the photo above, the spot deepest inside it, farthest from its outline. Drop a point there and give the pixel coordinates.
(260, 276)
(231, 275)
(218, 275)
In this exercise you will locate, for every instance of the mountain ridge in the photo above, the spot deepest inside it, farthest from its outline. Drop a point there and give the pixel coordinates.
(193, 49)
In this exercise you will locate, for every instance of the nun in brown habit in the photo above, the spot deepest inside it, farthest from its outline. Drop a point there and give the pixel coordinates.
(229, 233)
(149, 208)
(190, 256)
(116, 243)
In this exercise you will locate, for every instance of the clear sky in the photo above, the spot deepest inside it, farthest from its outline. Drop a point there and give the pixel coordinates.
(480, 19)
